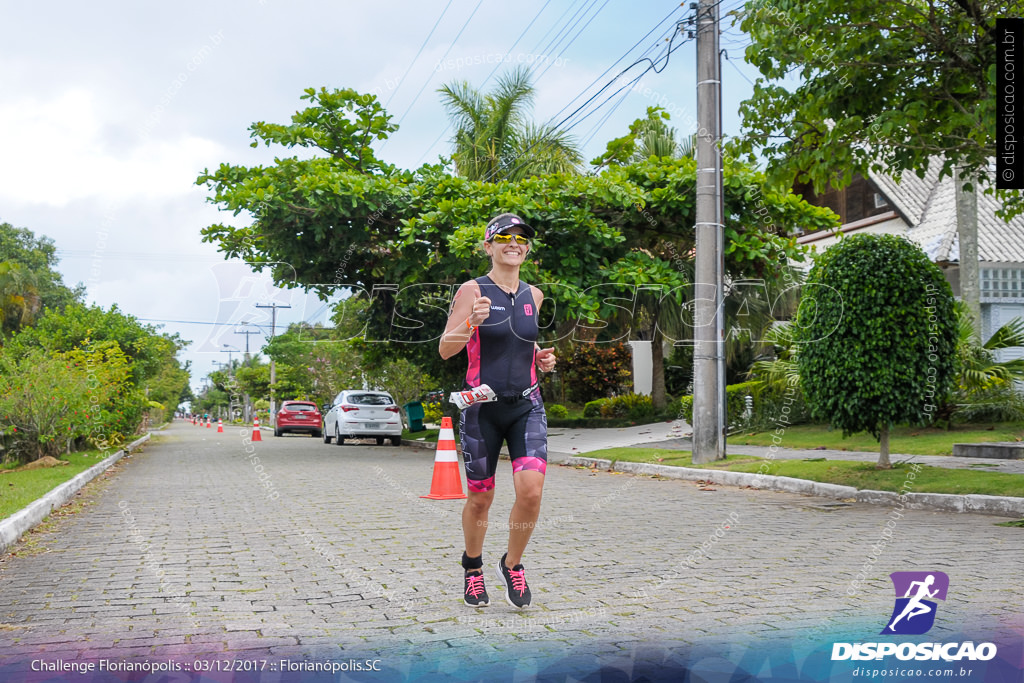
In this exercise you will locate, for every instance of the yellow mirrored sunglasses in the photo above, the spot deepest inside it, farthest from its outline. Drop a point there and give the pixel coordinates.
(505, 239)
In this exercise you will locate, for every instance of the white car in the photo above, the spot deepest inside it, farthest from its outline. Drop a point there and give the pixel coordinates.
(363, 415)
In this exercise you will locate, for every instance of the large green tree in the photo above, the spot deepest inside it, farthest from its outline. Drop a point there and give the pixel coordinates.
(895, 86)
(877, 336)
(402, 240)
(884, 85)
(29, 281)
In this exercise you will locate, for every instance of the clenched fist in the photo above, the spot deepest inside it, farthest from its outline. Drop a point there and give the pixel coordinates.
(546, 360)
(481, 310)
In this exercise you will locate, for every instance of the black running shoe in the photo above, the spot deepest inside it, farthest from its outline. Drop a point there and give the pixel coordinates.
(516, 591)
(476, 593)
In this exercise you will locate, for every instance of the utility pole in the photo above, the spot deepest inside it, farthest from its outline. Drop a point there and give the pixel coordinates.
(273, 369)
(247, 407)
(247, 333)
(708, 357)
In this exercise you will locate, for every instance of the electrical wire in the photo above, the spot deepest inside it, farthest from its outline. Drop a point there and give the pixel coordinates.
(493, 71)
(418, 53)
(675, 11)
(559, 126)
(551, 62)
(556, 23)
(446, 53)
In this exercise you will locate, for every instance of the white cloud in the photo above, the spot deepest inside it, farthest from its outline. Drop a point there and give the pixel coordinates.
(68, 147)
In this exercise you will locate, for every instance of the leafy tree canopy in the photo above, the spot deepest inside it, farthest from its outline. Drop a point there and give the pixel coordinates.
(334, 225)
(883, 85)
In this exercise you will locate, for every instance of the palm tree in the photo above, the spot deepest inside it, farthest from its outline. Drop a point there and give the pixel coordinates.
(19, 297)
(493, 138)
(979, 369)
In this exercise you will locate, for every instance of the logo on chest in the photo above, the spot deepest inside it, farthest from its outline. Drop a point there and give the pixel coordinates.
(528, 309)
(497, 308)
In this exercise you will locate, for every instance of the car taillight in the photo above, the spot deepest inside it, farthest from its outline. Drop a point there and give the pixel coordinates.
(392, 409)
(349, 408)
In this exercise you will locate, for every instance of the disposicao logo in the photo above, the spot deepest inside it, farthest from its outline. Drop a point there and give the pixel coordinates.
(915, 608)
(914, 614)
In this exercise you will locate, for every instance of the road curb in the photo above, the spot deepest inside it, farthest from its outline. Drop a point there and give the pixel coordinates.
(1004, 506)
(32, 514)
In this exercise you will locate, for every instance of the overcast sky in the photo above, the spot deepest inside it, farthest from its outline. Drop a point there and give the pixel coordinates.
(110, 110)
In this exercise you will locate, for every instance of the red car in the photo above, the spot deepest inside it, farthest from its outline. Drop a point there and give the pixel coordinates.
(298, 416)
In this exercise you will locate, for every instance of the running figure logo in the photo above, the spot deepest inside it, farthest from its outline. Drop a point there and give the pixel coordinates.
(914, 612)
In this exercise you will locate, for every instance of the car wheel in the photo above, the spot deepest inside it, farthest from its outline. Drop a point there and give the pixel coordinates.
(341, 439)
(317, 435)
(396, 441)
(327, 437)
(277, 432)
(380, 440)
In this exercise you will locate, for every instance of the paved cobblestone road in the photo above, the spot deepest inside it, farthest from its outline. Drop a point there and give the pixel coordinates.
(181, 553)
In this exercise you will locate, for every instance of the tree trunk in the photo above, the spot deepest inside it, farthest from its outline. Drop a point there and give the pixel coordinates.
(967, 233)
(658, 369)
(883, 451)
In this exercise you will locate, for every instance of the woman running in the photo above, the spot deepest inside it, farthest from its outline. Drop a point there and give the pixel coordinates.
(495, 318)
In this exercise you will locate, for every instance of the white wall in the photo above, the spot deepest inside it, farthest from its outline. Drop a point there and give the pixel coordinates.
(643, 367)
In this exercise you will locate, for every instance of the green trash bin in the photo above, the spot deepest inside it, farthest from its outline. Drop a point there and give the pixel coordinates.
(414, 411)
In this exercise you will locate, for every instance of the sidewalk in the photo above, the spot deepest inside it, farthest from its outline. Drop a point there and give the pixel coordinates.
(564, 442)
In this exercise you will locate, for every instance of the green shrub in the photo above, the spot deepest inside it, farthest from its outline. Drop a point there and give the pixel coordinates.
(433, 412)
(557, 411)
(593, 408)
(771, 407)
(593, 371)
(632, 406)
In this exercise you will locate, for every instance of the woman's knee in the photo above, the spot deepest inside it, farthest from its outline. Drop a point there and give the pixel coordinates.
(478, 503)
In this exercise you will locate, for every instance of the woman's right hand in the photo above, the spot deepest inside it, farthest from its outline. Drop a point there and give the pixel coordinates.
(481, 311)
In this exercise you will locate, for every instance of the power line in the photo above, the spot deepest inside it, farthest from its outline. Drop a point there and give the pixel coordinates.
(418, 53)
(569, 44)
(559, 126)
(446, 53)
(635, 45)
(493, 71)
(556, 22)
(568, 27)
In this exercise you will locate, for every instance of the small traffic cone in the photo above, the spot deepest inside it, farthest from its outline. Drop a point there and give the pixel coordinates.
(447, 483)
(220, 426)
(256, 436)
(207, 423)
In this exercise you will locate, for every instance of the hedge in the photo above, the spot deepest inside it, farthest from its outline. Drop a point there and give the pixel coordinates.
(771, 406)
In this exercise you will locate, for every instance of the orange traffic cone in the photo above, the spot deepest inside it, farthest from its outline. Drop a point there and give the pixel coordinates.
(256, 436)
(220, 426)
(447, 483)
(207, 423)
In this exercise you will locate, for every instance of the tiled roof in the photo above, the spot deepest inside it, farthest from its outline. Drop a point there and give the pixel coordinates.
(929, 205)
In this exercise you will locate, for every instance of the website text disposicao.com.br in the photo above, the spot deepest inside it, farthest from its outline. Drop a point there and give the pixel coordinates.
(907, 672)
(908, 656)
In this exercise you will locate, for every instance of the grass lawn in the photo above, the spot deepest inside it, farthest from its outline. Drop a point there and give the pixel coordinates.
(908, 440)
(860, 475)
(18, 489)
(427, 435)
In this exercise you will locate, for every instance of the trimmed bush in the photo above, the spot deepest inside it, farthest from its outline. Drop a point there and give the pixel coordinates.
(593, 408)
(771, 407)
(632, 406)
(556, 411)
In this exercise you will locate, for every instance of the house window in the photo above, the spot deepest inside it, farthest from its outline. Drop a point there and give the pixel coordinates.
(880, 201)
(1002, 283)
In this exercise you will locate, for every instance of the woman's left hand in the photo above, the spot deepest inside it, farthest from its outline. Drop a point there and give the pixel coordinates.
(546, 360)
